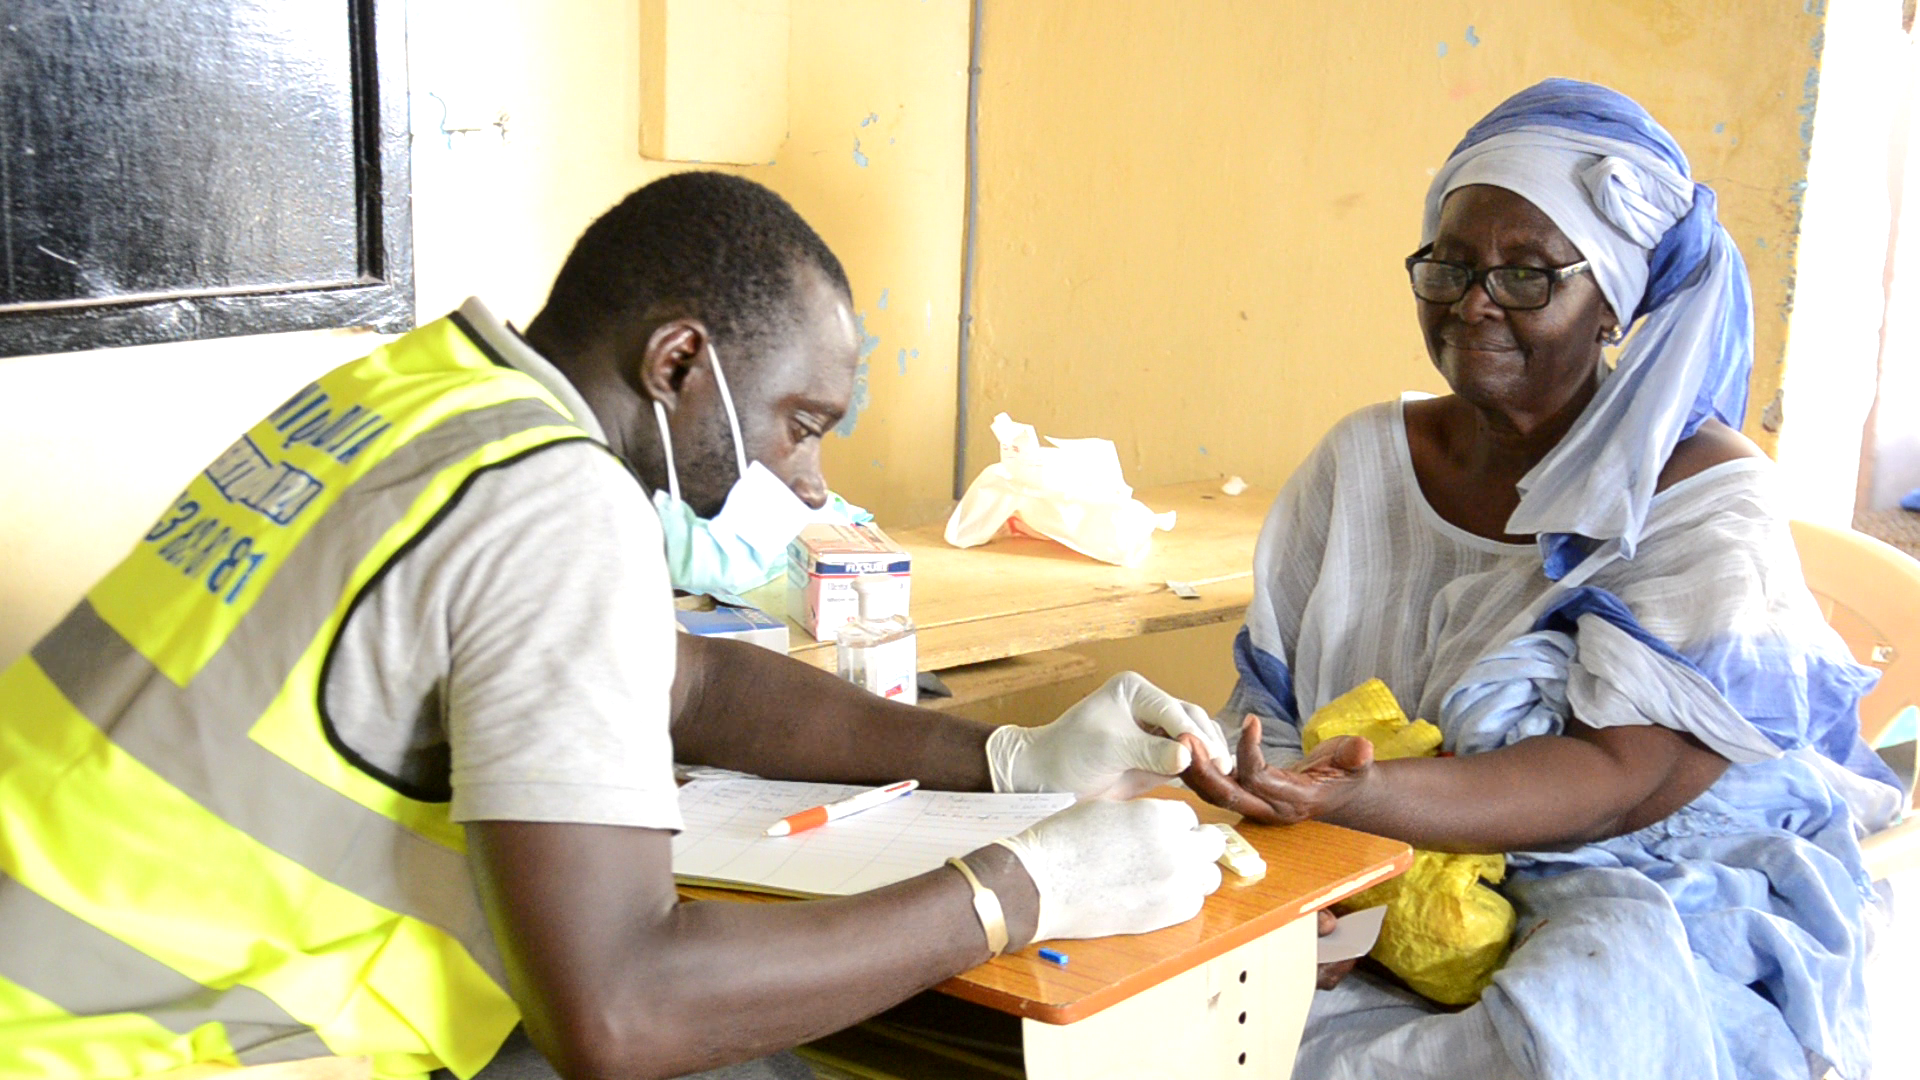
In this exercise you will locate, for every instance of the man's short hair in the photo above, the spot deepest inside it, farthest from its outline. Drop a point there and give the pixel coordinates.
(715, 247)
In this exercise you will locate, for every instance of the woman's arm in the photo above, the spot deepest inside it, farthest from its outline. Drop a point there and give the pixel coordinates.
(1551, 791)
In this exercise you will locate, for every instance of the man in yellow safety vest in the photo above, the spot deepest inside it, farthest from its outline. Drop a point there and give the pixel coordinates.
(367, 747)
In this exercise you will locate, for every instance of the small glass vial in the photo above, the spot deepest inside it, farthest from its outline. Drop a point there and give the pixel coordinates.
(879, 654)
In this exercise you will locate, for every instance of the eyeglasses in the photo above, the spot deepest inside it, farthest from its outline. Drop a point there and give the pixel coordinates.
(1515, 288)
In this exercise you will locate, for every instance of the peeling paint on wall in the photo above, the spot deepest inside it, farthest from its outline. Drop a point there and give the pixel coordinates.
(1797, 191)
(862, 397)
(1810, 94)
(868, 342)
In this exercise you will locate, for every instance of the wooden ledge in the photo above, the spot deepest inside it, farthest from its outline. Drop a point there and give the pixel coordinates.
(998, 678)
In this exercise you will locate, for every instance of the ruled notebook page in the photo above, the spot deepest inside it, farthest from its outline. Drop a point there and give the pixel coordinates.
(724, 842)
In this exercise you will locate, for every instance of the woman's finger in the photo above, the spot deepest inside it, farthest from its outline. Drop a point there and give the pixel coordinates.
(1328, 976)
(1252, 763)
(1353, 754)
(1336, 757)
(1218, 788)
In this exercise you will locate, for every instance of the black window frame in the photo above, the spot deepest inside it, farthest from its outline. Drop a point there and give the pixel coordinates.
(380, 297)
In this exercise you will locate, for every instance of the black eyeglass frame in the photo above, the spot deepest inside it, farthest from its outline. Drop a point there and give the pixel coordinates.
(1555, 275)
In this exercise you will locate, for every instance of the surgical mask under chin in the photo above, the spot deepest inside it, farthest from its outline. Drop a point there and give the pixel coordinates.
(744, 546)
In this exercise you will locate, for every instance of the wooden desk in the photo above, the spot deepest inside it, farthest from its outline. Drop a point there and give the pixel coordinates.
(1018, 595)
(1224, 994)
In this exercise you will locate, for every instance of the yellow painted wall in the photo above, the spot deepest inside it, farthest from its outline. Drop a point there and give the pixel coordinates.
(92, 445)
(1191, 220)
(1192, 215)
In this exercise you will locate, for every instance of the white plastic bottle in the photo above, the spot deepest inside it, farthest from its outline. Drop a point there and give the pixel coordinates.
(879, 654)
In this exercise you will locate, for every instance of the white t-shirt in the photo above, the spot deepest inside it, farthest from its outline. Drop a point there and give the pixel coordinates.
(520, 658)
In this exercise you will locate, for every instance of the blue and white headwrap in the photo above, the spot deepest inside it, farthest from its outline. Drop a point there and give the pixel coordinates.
(1617, 185)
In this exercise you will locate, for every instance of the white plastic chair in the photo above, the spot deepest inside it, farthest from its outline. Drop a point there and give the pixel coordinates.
(1870, 593)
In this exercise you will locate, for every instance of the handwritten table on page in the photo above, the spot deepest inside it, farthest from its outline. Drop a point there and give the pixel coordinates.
(725, 842)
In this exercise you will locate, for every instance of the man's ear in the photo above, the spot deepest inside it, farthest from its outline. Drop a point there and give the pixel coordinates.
(674, 349)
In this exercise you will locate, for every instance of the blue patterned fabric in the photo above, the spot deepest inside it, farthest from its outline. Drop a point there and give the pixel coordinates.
(1727, 941)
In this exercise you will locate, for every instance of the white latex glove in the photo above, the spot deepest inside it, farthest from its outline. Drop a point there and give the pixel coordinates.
(1118, 742)
(1118, 867)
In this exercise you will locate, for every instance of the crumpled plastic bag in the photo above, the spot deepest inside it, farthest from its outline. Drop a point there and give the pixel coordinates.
(1070, 492)
(1446, 932)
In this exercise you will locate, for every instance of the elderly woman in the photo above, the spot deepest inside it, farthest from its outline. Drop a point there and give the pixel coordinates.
(1581, 574)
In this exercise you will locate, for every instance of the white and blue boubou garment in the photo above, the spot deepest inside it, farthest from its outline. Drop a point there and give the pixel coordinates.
(1727, 941)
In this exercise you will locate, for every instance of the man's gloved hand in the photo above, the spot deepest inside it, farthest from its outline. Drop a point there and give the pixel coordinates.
(1118, 742)
(1118, 867)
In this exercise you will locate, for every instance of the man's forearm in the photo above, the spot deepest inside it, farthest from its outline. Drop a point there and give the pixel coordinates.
(743, 707)
(615, 978)
(781, 974)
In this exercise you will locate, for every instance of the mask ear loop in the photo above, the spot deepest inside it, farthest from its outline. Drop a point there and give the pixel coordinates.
(733, 419)
(666, 443)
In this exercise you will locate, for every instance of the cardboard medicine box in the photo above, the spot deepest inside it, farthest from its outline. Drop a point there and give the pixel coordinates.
(822, 564)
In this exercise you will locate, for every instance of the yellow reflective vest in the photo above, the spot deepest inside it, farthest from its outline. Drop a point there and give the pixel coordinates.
(192, 867)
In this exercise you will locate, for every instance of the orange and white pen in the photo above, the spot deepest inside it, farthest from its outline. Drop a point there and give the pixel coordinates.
(834, 811)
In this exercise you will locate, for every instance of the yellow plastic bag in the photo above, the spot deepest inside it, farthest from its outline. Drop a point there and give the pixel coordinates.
(1445, 932)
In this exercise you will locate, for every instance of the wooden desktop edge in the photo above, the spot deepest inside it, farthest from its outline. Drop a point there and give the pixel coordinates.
(1127, 615)
(1114, 993)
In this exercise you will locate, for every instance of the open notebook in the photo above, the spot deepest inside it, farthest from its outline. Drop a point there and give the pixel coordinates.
(724, 842)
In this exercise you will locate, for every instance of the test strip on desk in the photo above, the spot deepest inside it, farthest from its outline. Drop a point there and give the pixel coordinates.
(1240, 856)
(817, 816)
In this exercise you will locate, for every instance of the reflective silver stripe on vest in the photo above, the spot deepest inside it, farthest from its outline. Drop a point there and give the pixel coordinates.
(89, 972)
(196, 737)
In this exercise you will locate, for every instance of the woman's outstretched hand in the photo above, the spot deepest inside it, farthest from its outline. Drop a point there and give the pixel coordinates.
(1317, 786)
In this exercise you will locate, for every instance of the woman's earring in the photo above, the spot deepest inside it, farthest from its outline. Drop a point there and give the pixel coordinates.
(1613, 335)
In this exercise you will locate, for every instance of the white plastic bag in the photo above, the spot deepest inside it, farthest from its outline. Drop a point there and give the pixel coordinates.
(1071, 492)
